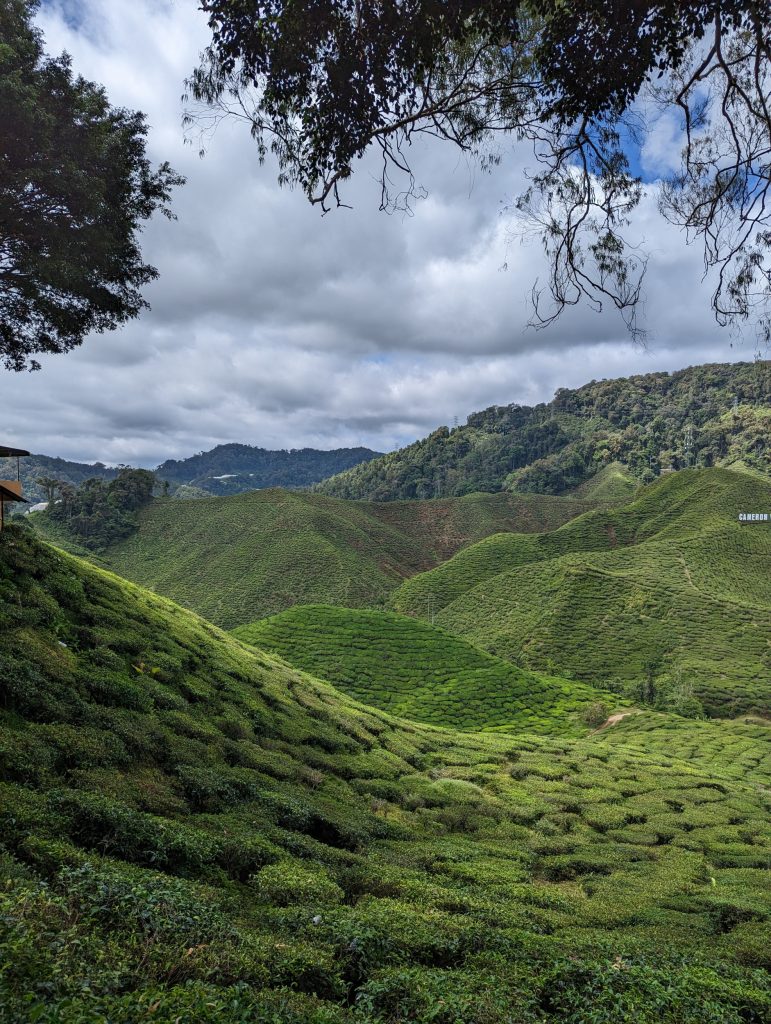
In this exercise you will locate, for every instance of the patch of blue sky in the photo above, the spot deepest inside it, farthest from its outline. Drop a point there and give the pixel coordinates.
(652, 146)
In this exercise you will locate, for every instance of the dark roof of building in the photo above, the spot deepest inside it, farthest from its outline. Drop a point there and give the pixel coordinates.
(6, 452)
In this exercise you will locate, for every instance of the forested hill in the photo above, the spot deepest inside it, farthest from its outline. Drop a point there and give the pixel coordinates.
(226, 469)
(717, 414)
(234, 468)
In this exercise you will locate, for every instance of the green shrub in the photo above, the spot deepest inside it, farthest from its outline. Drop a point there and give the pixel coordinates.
(289, 882)
(156, 906)
(595, 714)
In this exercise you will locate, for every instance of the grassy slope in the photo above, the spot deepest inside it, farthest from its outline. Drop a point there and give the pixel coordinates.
(192, 831)
(412, 669)
(670, 581)
(240, 558)
(614, 483)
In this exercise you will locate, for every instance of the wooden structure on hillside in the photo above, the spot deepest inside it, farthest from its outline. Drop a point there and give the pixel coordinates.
(11, 490)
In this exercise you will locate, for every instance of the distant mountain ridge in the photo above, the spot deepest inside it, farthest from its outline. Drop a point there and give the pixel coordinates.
(225, 469)
(32, 467)
(716, 414)
(235, 468)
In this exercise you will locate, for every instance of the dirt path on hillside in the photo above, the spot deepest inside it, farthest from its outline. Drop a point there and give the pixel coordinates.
(613, 720)
(687, 572)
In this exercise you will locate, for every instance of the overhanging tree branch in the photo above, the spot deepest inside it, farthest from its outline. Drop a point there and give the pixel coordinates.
(319, 83)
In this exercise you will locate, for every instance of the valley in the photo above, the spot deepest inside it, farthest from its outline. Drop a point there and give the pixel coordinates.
(209, 835)
(385, 512)
(453, 755)
(239, 558)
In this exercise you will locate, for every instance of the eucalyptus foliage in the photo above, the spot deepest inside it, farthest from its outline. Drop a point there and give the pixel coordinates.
(321, 83)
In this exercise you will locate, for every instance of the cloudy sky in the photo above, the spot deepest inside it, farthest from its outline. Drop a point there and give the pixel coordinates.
(274, 326)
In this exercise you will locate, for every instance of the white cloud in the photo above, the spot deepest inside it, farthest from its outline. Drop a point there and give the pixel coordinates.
(273, 325)
(661, 151)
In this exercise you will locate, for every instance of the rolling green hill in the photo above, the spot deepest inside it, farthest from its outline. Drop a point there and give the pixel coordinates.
(411, 669)
(717, 414)
(669, 591)
(240, 558)
(613, 484)
(191, 831)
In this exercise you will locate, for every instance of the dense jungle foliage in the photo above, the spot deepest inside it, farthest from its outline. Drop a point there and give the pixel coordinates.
(703, 416)
(101, 512)
(191, 831)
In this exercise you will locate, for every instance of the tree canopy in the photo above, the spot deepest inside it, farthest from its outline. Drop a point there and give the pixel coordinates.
(75, 187)
(100, 512)
(321, 82)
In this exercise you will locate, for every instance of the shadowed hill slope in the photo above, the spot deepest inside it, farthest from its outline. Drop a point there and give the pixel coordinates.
(192, 831)
(669, 588)
(409, 668)
(240, 558)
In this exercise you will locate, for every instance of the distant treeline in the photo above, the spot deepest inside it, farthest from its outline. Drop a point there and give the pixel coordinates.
(699, 417)
(36, 467)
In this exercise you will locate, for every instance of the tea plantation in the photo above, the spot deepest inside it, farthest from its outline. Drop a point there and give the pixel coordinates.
(739, 749)
(240, 558)
(666, 592)
(192, 831)
(613, 483)
(412, 669)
